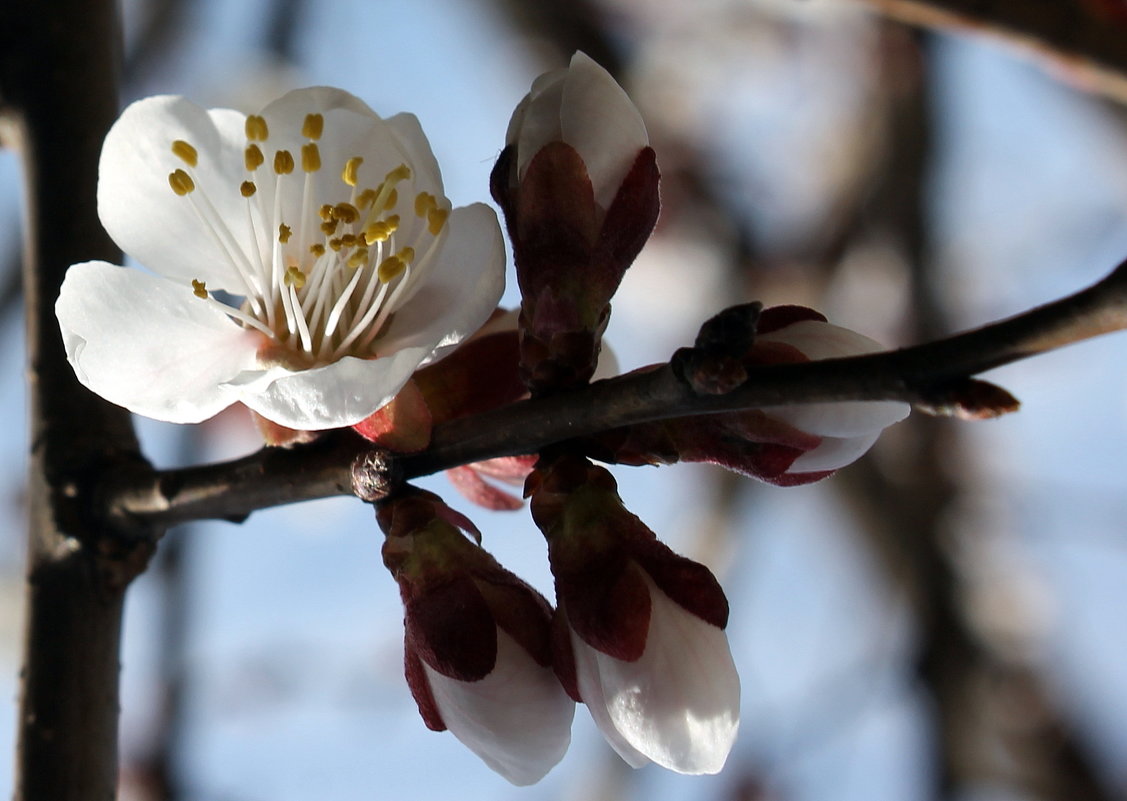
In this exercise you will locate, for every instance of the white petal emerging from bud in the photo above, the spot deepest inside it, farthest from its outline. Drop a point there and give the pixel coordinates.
(848, 428)
(586, 108)
(517, 719)
(677, 705)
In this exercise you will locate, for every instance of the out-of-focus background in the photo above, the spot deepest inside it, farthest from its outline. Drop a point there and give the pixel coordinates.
(941, 620)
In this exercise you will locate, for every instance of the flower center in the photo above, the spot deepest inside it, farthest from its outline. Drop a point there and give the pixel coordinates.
(324, 285)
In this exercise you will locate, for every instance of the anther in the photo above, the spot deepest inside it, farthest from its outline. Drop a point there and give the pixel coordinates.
(283, 162)
(407, 254)
(424, 202)
(317, 250)
(335, 243)
(185, 152)
(365, 198)
(358, 258)
(199, 289)
(377, 232)
(348, 240)
(256, 129)
(284, 233)
(351, 168)
(253, 158)
(310, 158)
(248, 188)
(346, 213)
(400, 173)
(329, 228)
(181, 182)
(313, 126)
(325, 212)
(436, 218)
(392, 199)
(390, 269)
(294, 277)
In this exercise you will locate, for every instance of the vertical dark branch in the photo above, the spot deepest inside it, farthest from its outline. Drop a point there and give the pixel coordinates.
(58, 78)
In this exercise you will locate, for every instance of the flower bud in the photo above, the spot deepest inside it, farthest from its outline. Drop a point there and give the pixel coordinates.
(476, 642)
(639, 631)
(578, 184)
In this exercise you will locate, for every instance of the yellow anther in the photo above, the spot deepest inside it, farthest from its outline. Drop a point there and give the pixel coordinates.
(310, 158)
(348, 240)
(294, 277)
(284, 233)
(346, 213)
(392, 199)
(391, 268)
(365, 198)
(199, 289)
(392, 222)
(424, 202)
(313, 126)
(335, 243)
(181, 182)
(436, 218)
(325, 212)
(256, 129)
(351, 168)
(317, 250)
(329, 228)
(377, 232)
(407, 254)
(185, 152)
(400, 173)
(248, 188)
(283, 162)
(253, 158)
(358, 258)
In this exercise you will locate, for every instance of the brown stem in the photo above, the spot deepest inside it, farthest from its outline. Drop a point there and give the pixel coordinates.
(1082, 42)
(921, 375)
(58, 88)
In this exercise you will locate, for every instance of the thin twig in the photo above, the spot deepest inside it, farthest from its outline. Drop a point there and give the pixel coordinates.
(920, 375)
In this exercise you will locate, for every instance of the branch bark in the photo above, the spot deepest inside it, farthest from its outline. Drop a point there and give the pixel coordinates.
(58, 92)
(1080, 41)
(932, 375)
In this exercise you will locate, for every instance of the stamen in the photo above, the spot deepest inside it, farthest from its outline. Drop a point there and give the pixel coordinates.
(199, 288)
(313, 126)
(247, 188)
(407, 254)
(256, 129)
(391, 268)
(351, 168)
(325, 212)
(310, 158)
(284, 233)
(365, 198)
(253, 158)
(294, 277)
(424, 202)
(283, 162)
(392, 199)
(400, 173)
(436, 218)
(329, 228)
(317, 250)
(185, 152)
(346, 213)
(379, 231)
(359, 257)
(181, 182)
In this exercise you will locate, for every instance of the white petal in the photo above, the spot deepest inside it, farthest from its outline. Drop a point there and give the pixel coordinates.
(417, 151)
(150, 345)
(589, 676)
(679, 703)
(339, 394)
(460, 290)
(818, 340)
(601, 122)
(138, 207)
(540, 118)
(517, 719)
(833, 453)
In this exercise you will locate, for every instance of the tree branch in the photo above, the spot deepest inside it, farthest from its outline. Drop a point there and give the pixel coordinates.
(933, 376)
(1082, 41)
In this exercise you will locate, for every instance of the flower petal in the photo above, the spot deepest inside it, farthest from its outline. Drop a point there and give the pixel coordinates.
(679, 703)
(460, 290)
(589, 666)
(600, 121)
(339, 394)
(833, 453)
(138, 207)
(517, 719)
(150, 345)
